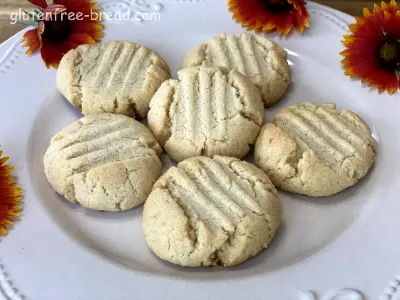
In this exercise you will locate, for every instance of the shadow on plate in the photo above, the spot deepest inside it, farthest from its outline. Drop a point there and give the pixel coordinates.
(309, 225)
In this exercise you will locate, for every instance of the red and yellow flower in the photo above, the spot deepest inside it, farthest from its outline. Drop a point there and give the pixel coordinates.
(62, 26)
(373, 48)
(10, 195)
(270, 15)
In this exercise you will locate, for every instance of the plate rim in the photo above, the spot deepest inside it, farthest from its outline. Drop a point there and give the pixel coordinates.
(6, 284)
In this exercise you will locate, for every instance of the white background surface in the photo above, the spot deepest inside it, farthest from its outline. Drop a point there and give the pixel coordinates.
(61, 251)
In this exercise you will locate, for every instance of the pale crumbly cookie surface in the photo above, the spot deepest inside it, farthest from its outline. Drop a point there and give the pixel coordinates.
(208, 111)
(104, 162)
(206, 212)
(256, 57)
(113, 77)
(312, 149)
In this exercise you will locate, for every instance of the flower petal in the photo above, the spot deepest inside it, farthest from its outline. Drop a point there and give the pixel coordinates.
(300, 21)
(10, 195)
(75, 6)
(40, 3)
(385, 81)
(49, 11)
(66, 46)
(81, 38)
(254, 14)
(51, 55)
(284, 23)
(299, 6)
(92, 29)
(360, 60)
(31, 41)
(393, 7)
(366, 12)
(41, 27)
(60, 40)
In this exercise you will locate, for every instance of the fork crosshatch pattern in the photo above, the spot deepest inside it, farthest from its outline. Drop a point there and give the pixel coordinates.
(13, 284)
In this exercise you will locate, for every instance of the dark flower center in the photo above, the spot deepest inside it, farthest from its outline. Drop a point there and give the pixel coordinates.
(388, 53)
(57, 28)
(277, 5)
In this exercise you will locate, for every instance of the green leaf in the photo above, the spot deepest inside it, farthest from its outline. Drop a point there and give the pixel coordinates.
(31, 15)
(29, 23)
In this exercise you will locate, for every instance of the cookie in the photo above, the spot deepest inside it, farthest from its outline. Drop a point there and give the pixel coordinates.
(208, 111)
(256, 57)
(113, 77)
(314, 150)
(207, 212)
(104, 162)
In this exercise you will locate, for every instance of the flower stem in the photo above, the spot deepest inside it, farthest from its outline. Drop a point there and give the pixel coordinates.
(29, 23)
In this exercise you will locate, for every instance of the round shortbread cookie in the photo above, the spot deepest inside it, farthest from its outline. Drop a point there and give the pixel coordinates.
(206, 212)
(112, 77)
(104, 162)
(256, 57)
(314, 150)
(208, 111)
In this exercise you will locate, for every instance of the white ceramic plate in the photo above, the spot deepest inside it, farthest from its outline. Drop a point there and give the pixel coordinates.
(340, 247)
